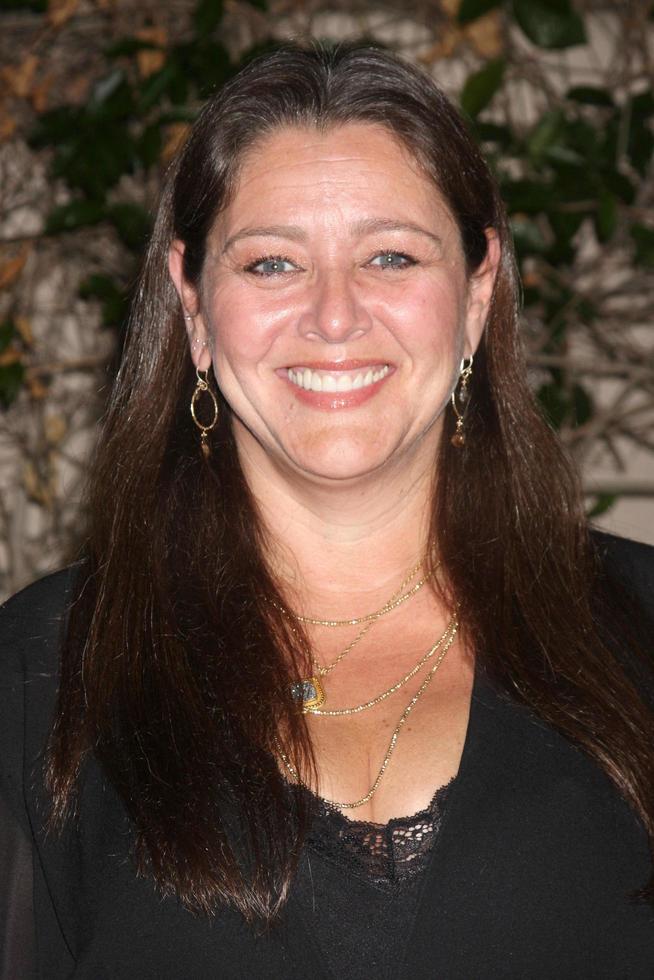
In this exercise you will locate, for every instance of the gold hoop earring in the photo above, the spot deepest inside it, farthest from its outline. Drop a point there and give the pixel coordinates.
(459, 438)
(201, 388)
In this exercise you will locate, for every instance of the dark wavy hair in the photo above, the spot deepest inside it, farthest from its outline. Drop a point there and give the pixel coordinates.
(175, 671)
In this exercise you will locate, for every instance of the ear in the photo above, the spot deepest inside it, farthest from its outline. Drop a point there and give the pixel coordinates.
(188, 296)
(480, 291)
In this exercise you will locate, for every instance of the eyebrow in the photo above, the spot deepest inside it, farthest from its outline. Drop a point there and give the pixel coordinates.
(371, 226)
(367, 226)
(291, 232)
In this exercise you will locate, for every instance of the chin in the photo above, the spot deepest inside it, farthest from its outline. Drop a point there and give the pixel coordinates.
(340, 460)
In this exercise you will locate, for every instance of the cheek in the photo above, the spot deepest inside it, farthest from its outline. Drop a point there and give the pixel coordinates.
(241, 326)
(430, 317)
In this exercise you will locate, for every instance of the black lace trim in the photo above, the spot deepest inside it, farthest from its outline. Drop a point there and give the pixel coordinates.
(384, 854)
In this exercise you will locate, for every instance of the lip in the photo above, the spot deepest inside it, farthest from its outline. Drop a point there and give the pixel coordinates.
(333, 401)
(352, 364)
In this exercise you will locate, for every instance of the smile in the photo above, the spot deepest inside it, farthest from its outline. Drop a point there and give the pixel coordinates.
(312, 380)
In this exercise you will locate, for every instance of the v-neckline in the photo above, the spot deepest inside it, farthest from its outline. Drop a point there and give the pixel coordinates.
(301, 942)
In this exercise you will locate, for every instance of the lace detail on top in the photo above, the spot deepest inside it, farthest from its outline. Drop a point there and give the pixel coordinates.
(385, 854)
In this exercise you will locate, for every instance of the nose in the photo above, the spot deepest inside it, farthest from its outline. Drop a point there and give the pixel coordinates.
(334, 312)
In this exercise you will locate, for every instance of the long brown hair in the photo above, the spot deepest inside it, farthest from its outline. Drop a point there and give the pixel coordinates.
(176, 671)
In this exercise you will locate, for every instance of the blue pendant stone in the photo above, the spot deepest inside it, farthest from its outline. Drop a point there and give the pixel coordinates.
(308, 693)
(304, 691)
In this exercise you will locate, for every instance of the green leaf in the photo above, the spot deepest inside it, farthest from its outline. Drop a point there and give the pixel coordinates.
(587, 311)
(129, 46)
(11, 380)
(582, 405)
(7, 334)
(606, 216)
(550, 23)
(565, 225)
(545, 133)
(603, 502)
(77, 214)
(97, 158)
(470, 10)
(114, 302)
(480, 87)
(640, 144)
(206, 63)
(528, 237)
(643, 239)
(528, 196)
(619, 185)
(643, 104)
(488, 132)
(207, 16)
(157, 85)
(148, 146)
(56, 125)
(589, 95)
(132, 223)
(554, 403)
(36, 6)
(111, 97)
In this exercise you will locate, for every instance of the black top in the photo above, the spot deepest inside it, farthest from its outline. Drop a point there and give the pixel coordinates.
(359, 885)
(531, 875)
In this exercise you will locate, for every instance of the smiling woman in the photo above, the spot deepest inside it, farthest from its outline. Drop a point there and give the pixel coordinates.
(344, 685)
(335, 279)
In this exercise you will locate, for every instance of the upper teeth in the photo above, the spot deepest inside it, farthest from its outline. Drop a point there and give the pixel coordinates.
(343, 381)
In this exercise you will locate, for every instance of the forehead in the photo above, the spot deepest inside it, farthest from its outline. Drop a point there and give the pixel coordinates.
(355, 166)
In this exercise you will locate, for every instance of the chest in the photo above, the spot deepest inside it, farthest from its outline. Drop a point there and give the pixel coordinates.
(405, 746)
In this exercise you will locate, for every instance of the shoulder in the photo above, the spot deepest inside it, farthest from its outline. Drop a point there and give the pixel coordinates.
(631, 563)
(31, 628)
(37, 608)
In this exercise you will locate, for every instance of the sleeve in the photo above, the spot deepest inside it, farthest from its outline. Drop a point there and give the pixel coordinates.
(17, 932)
(23, 631)
(16, 915)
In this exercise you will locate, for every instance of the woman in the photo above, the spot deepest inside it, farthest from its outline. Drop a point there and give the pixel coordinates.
(346, 687)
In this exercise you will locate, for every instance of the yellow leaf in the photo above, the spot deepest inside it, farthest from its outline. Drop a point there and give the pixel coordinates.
(485, 35)
(7, 124)
(12, 268)
(449, 39)
(55, 429)
(24, 328)
(36, 388)
(176, 133)
(9, 356)
(40, 92)
(150, 60)
(31, 481)
(19, 78)
(59, 11)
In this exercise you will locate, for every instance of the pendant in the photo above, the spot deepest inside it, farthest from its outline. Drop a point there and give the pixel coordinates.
(309, 692)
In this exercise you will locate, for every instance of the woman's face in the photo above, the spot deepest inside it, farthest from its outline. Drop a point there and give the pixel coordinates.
(335, 303)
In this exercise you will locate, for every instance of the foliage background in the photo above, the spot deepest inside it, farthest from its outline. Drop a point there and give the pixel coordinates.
(96, 95)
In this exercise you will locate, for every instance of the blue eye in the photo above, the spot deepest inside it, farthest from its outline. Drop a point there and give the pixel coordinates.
(392, 260)
(271, 265)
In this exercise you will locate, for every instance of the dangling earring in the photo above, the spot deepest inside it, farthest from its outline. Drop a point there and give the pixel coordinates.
(201, 387)
(459, 439)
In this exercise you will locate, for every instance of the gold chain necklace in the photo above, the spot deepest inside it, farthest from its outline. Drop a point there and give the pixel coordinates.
(393, 740)
(310, 691)
(447, 638)
(390, 604)
(371, 619)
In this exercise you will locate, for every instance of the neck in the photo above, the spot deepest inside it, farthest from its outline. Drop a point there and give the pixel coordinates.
(339, 547)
